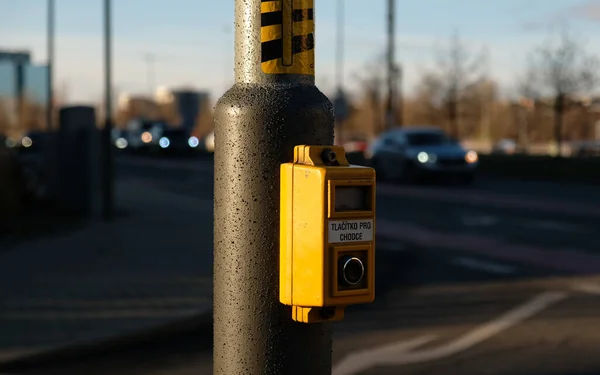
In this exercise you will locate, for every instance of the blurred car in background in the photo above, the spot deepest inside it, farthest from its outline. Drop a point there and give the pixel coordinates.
(586, 149)
(412, 153)
(356, 145)
(32, 154)
(30, 142)
(177, 142)
(120, 138)
(504, 147)
(145, 137)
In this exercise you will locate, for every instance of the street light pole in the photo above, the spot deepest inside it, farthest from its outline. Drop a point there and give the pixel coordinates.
(50, 74)
(340, 45)
(273, 106)
(340, 116)
(108, 177)
(340, 104)
(391, 68)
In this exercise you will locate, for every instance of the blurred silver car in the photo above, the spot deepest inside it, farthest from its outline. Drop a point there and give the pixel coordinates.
(411, 153)
(505, 147)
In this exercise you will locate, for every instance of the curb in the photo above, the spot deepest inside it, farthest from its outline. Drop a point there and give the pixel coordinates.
(78, 351)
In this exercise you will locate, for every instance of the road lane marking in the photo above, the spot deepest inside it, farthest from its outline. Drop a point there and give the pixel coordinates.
(481, 265)
(592, 288)
(401, 354)
(366, 359)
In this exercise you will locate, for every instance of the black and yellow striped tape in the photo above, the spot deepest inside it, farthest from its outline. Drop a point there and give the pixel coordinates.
(287, 37)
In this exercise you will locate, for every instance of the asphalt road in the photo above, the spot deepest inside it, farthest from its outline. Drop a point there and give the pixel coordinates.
(496, 278)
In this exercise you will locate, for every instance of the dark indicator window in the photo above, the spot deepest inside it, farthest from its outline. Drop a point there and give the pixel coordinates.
(352, 198)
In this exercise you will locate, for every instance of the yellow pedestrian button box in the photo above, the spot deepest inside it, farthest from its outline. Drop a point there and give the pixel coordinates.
(327, 235)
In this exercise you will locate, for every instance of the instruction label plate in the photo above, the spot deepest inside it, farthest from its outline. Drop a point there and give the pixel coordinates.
(344, 231)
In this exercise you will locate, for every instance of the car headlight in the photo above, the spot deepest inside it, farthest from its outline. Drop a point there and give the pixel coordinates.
(121, 143)
(10, 143)
(26, 142)
(193, 142)
(424, 157)
(164, 142)
(471, 157)
(146, 137)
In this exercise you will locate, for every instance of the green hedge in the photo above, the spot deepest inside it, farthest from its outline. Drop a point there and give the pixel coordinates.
(542, 168)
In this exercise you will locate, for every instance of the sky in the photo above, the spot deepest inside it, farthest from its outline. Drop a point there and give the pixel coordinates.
(192, 43)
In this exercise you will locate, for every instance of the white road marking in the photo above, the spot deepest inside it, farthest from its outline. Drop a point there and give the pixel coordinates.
(389, 355)
(593, 288)
(366, 359)
(481, 265)
(479, 221)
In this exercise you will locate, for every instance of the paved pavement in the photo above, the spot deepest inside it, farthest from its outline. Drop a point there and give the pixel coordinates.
(148, 268)
(498, 278)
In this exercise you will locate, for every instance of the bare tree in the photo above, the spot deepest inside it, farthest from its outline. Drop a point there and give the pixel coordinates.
(372, 86)
(528, 93)
(562, 68)
(457, 69)
(429, 99)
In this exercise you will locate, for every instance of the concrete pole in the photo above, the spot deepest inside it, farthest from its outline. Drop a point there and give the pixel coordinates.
(391, 66)
(339, 52)
(273, 106)
(340, 67)
(50, 76)
(108, 176)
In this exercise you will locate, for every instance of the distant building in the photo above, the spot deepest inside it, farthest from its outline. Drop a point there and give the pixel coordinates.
(16, 57)
(26, 85)
(138, 107)
(190, 106)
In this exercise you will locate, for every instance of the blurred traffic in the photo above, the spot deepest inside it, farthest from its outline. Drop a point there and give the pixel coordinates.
(487, 204)
(154, 138)
(413, 153)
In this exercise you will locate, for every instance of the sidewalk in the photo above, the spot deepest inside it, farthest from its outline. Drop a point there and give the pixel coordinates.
(149, 268)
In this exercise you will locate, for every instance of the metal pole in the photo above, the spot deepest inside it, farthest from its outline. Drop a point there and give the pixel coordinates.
(257, 124)
(340, 67)
(340, 46)
(108, 190)
(50, 76)
(391, 118)
(20, 84)
(400, 95)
